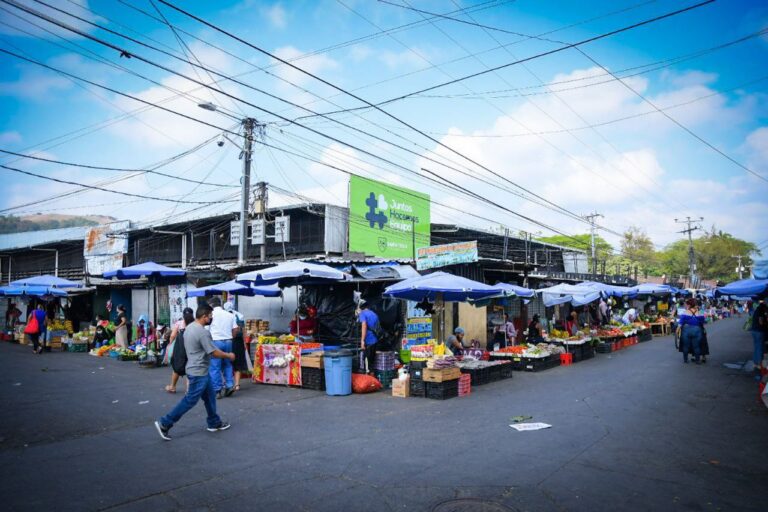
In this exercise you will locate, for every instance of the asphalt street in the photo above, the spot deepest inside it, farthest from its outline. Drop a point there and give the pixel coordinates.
(633, 430)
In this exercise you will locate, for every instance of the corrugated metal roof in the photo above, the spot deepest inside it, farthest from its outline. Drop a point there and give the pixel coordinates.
(48, 236)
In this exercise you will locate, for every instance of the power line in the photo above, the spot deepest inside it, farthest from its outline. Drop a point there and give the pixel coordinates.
(94, 187)
(117, 169)
(218, 29)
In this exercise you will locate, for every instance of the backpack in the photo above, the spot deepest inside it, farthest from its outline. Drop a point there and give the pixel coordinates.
(179, 355)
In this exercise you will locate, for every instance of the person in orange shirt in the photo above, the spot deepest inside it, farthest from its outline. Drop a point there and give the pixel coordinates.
(307, 324)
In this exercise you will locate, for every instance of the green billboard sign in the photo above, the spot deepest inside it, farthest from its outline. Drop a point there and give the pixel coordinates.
(385, 220)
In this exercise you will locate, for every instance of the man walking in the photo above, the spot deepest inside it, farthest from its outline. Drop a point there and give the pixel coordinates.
(200, 349)
(224, 329)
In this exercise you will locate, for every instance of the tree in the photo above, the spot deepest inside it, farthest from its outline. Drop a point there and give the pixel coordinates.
(714, 253)
(637, 248)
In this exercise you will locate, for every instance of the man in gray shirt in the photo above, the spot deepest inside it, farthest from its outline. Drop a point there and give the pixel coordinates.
(200, 348)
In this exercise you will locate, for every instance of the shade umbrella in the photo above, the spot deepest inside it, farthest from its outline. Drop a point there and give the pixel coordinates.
(31, 291)
(509, 290)
(441, 286)
(754, 288)
(293, 273)
(235, 288)
(653, 289)
(47, 280)
(151, 270)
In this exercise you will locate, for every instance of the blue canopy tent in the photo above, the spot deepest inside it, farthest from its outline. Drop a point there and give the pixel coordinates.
(607, 290)
(442, 287)
(293, 273)
(154, 272)
(753, 288)
(577, 295)
(31, 291)
(509, 290)
(654, 289)
(47, 281)
(235, 288)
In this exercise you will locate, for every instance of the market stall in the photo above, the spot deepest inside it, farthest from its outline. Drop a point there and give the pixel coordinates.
(277, 359)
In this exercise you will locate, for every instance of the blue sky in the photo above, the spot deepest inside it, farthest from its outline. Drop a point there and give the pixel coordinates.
(559, 126)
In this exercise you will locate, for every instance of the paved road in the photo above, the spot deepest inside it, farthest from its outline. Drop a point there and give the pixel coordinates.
(635, 430)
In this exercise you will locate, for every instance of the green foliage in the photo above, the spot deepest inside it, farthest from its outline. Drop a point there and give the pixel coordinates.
(11, 224)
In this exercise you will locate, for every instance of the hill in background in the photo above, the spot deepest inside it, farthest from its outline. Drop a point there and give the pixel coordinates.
(12, 224)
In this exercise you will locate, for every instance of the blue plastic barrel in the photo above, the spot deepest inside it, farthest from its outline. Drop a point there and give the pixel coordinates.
(338, 372)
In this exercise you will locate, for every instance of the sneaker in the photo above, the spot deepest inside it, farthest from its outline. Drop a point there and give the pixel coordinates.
(220, 394)
(222, 426)
(229, 391)
(163, 431)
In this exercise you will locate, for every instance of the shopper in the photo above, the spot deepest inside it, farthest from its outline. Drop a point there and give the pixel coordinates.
(691, 324)
(605, 319)
(534, 331)
(369, 322)
(238, 346)
(572, 324)
(223, 330)
(177, 334)
(200, 349)
(759, 329)
(629, 317)
(506, 333)
(121, 330)
(35, 327)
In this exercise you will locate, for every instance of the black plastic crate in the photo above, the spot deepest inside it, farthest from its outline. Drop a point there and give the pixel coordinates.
(587, 352)
(313, 378)
(418, 388)
(539, 365)
(604, 348)
(494, 373)
(478, 376)
(417, 365)
(386, 378)
(507, 371)
(442, 390)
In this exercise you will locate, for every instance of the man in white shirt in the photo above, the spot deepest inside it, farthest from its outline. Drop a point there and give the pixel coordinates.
(629, 316)
(223, 330)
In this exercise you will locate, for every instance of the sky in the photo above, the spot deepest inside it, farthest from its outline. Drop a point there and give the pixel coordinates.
(661, 121)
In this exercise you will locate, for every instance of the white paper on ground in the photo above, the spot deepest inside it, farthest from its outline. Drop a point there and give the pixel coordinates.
(522, 427)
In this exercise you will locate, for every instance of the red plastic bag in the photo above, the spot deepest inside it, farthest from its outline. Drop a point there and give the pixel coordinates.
(365, 383)
(33, 327)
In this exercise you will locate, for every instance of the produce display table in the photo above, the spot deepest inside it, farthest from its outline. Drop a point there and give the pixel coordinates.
(277, 364)
(661, 329)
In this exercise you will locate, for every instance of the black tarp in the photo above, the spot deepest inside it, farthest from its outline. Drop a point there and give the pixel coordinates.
(335, 305)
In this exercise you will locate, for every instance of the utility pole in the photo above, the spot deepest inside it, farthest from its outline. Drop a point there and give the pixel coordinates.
(592, 227)
(690, 228)
(739, 268)
(248, 125)
(261, 211)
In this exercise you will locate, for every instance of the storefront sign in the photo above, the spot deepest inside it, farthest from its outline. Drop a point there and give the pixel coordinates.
(257, 232)
(448, 254)
(234, 232)
(385, 220)
(105, 246)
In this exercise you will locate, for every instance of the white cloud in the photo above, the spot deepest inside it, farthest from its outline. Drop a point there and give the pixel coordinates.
(276, 15)
(360, 52)
(408, 58)
(690, 78)
(11, 15)
(10, 137)
(35, 84)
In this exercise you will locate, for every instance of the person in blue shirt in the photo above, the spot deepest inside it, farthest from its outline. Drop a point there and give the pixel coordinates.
(691, 330)
(369, 322)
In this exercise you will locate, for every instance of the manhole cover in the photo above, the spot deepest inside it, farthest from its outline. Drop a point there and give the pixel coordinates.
(471, 504)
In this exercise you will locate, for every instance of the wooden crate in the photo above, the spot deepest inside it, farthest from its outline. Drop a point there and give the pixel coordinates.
(442, 375)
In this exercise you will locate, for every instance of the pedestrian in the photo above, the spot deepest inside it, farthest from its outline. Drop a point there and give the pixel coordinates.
(604, 317)
(238, 346)
(121, 330)
(369, 322)
(509, 331)
(759, 328)
(200, 349)
(223, 330)
(12, 317)
(691, 325)
(178, 328)
(35, 326)
(534, 331)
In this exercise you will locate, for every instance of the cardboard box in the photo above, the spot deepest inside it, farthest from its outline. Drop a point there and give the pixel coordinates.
(313, 360)
(431, 375)
(401, 388)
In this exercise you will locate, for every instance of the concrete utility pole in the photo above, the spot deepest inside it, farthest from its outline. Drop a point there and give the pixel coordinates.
(260, 208)
(739, 268)
(592, 227)
(691, 257)
(248, 126)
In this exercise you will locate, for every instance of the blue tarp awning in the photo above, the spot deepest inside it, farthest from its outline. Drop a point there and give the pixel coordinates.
(756, 288)
(31, 291)
(235, 288)
(149, 269)
(654, 289)
(452, 288)
(47, 280)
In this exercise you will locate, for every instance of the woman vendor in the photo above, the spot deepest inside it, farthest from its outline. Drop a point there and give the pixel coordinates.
(307, 323)
(534, 331)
